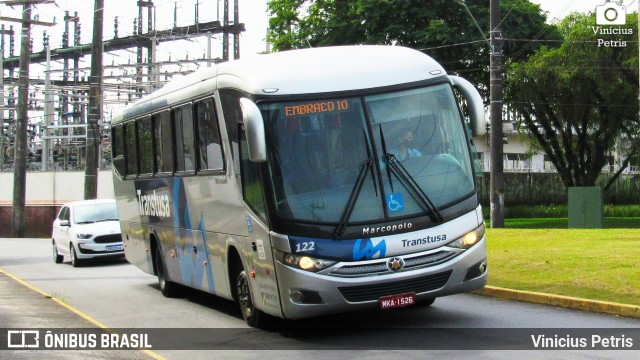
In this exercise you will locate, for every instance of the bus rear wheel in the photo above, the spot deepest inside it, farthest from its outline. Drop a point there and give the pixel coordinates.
(167, 287)
(253, 316)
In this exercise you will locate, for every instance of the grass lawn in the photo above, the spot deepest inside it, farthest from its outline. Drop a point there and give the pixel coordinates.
(599, 264)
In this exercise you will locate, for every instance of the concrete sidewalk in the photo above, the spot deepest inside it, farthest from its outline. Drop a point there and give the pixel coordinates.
(22, 307)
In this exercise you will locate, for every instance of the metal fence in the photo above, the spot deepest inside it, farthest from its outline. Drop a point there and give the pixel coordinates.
(531, 188)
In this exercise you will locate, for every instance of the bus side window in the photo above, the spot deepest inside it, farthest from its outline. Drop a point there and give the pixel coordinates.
(131, 154)
(184, 141)
(145, 146)
(208, 136)
(230, 101)
(163, 142)
(252, 191)
(117, 147)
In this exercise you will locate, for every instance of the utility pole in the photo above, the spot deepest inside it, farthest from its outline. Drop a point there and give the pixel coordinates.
(95, 105)
(20, 153)
(48, 111)
(495, 96)
(2, 100)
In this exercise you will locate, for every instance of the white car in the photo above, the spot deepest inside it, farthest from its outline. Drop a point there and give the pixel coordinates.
(85, 230)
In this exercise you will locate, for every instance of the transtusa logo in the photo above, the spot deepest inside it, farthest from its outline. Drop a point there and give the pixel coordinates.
(154, 205)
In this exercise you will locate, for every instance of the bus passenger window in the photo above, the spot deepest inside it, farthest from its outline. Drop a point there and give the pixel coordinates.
(131, 151)
(163, 143)
(117, 140)
(208, 138)
(183, 122)
(230, 101)
(145, 146)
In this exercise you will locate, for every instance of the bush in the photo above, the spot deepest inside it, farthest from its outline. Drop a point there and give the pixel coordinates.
(560, 211)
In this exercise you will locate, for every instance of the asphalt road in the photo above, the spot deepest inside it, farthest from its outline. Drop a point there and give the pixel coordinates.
(118, 295)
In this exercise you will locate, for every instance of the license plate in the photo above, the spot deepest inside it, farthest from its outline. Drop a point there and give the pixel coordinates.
(393, 301)
(114, 247)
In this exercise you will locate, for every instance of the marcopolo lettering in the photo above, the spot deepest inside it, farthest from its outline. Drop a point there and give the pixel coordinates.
(385, 229)
(154, 205)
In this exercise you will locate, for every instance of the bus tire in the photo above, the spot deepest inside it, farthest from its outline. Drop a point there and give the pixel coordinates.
(168, 288)
(252, 315)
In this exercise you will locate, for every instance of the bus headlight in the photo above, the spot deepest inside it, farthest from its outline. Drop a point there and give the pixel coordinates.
(303, 262)
(469, 239)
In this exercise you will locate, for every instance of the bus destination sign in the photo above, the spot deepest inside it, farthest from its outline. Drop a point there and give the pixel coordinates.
(316, 107)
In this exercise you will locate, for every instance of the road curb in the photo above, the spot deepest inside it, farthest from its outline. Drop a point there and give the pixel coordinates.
(562, 301)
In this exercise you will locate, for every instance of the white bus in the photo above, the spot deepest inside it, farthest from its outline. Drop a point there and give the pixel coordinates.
(306, 182)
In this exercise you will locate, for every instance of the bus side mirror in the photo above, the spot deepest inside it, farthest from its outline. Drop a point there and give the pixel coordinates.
(254, 128)
(474, 101)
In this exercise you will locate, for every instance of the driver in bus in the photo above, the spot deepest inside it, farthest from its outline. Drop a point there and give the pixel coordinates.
(405, 149)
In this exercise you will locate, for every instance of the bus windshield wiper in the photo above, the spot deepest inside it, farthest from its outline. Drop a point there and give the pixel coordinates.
(401, 172)
(353, 197)
(395, 167)
(355, 192)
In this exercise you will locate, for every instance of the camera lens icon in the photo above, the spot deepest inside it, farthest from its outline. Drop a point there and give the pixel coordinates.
(611, 14)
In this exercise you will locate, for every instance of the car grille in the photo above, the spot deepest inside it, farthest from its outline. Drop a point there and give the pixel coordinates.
(375, 291)
(381, 266)
(95, 252)
(105, 239)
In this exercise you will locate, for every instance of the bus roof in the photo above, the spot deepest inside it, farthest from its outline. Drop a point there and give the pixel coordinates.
(305, 71)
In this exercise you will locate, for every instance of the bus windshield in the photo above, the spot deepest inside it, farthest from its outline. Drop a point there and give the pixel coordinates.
(403, 149)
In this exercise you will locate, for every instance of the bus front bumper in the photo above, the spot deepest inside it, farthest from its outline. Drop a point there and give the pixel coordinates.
(307, 294)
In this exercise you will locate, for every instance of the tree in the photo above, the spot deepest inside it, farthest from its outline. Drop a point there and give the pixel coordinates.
(577, 100)
(440, 28)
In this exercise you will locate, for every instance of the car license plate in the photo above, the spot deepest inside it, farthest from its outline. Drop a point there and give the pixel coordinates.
(114, 247)
(393, 301)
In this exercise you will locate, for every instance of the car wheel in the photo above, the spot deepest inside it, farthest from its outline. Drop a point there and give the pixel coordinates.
(57, 258)
(253, 316)
(74, 257)
(167, 287)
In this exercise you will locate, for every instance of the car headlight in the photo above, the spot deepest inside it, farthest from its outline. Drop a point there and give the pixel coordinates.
(83, 236)
(469, 239)
(303, 262)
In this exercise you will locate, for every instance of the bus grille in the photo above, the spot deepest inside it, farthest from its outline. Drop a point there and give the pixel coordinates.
(381, 267)
(374, 292)
(105, 239)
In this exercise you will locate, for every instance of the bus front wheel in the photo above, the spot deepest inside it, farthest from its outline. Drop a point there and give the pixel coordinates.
(253, 316)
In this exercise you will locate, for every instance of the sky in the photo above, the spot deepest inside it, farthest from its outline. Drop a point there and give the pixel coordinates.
(558, 9)
(252, 13)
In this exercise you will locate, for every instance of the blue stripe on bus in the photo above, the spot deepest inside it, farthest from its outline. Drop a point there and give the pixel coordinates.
(347, 250)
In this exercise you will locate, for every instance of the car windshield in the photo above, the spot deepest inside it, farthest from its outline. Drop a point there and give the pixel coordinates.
(321, 152)
(90, 213)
